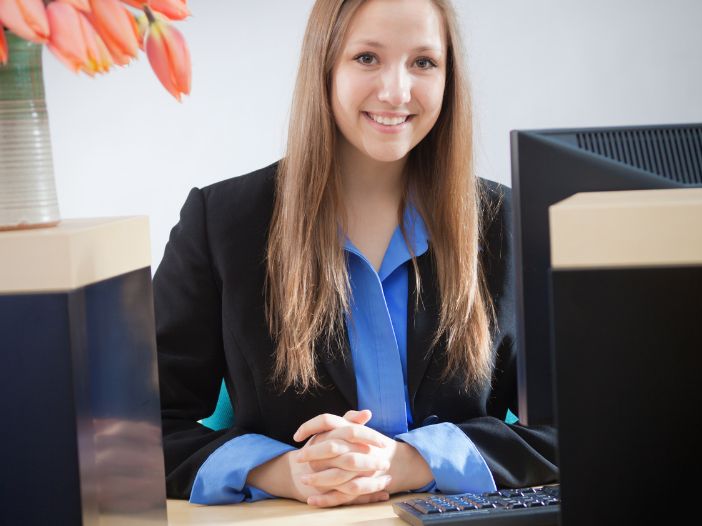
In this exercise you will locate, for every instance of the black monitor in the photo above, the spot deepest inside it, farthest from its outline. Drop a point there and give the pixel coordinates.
(550, 165)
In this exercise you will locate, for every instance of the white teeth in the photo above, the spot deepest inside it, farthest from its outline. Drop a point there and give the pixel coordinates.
(388, 121)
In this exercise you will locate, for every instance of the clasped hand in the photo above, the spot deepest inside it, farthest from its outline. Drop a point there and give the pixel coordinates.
(346, 462)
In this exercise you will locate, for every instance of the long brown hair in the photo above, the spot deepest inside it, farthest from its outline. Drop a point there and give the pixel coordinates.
(307, 284)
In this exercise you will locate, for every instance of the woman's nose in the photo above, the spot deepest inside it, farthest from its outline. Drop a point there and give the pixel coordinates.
(395, 87)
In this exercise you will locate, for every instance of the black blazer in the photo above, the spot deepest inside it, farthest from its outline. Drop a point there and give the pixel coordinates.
(210, 325)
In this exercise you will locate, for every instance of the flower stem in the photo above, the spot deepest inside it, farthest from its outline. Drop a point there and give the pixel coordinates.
(149, 14)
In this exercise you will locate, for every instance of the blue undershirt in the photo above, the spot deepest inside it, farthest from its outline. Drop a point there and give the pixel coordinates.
(377, 329)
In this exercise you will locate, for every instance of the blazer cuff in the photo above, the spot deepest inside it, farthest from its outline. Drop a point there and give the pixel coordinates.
(456, 463)
(222, 477)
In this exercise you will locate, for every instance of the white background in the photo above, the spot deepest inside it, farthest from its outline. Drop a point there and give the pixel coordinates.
(123, 146)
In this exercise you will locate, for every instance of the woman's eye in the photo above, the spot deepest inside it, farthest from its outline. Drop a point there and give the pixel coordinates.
(425, 63)
(366, 59)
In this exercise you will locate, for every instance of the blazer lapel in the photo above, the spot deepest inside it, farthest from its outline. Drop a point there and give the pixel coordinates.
(339, 365)
(422, 320)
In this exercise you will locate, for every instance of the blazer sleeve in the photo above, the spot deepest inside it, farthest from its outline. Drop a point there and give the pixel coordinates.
(191, 365)
(517, 455)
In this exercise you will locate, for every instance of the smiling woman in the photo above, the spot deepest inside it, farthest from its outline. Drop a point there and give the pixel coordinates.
(354, 295)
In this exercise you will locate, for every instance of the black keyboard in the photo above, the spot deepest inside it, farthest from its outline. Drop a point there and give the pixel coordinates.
(509, 507)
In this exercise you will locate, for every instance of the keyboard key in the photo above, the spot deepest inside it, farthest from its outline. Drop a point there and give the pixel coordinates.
(424, 507)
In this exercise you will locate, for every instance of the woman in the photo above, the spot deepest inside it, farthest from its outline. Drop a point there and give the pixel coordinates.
(355, 296)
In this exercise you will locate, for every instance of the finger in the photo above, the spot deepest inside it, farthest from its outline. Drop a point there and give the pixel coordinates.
(380, 496)
(358, 435)
(330, 499)
(360, 462)
(328, 478)
(329, 449)
(364, 485)
(358, 417)
(322, 465)
(372, 465)
(319, 424)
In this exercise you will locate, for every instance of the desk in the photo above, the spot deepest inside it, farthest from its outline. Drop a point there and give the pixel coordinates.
(282, 511)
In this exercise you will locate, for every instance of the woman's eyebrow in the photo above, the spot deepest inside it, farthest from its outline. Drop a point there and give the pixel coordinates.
(379, 45)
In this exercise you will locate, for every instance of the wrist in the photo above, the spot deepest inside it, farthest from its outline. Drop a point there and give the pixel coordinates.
(275, 476)
(408, 469)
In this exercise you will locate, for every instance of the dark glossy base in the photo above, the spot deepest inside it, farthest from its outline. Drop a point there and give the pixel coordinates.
(81, 438)
(628, 353)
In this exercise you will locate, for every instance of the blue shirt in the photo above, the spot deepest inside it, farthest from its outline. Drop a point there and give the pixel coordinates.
(377, 329)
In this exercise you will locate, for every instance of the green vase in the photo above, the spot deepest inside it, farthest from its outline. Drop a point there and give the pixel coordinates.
(27, 187)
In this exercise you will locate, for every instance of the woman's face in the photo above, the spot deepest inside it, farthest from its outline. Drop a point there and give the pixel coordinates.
(388, 81)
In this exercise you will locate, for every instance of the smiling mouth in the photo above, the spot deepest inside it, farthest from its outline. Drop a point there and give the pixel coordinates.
(388, 121)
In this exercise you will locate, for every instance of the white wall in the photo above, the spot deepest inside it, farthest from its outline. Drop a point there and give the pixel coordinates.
(123, 146)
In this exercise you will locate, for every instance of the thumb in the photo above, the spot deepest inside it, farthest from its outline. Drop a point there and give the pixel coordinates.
(359, 417)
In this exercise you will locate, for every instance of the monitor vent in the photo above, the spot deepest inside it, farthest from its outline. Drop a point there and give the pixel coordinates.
(673, 153)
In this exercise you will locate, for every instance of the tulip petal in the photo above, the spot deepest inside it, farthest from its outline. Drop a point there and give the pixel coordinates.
(99, 59)
(80, 5)
(157, 53)
(66, 41)
(105, 58)
(4, 52)
(180, 59)
(26, 19)
(116, 26)
(142, 23)
(139, 4)
(172, 9)
(119, 58)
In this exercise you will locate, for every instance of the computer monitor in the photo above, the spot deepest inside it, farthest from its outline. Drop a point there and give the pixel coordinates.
(550, 165)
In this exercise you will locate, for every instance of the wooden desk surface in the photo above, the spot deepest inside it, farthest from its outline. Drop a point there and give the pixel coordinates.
(281, 511)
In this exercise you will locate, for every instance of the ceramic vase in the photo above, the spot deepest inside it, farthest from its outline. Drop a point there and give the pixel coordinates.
(27, 188)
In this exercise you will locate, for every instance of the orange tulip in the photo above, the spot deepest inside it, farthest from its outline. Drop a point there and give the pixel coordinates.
(4, 55)
(26, 19)
(169, 57)
(117, 28)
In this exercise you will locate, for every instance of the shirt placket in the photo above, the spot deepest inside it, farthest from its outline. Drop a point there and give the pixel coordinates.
(378, 365)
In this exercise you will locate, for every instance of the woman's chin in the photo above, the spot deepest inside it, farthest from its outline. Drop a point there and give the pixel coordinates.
(387, 155)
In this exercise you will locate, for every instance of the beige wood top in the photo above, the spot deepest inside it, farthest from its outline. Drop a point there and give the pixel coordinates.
(641, 228)
(284, 512)
(73, 254)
